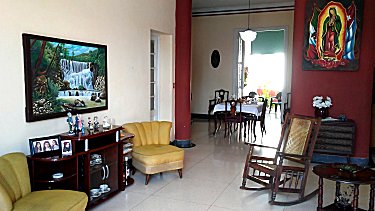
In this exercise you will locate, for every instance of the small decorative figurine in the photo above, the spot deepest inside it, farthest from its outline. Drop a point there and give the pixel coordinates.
(106, 124)
(76, 124)
(70, 123)
(80, 122)
(90, 125)
(82, 127)
(96, 123)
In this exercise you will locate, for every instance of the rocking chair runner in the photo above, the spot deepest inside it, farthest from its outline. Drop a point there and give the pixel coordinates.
(288, 170)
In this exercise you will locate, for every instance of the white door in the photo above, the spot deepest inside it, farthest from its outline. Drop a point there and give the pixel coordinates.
(240, 66)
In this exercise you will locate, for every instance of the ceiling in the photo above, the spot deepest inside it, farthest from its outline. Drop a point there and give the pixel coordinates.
(218, 7)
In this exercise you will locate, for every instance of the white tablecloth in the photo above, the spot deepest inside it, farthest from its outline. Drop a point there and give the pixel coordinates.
(246, 108)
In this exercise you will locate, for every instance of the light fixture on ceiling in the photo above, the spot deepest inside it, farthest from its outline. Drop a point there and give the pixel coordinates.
(248, 34)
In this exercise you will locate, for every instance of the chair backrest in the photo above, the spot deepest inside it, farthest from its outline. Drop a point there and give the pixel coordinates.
(231, 108)
(146, 133)
(222, 94)
(264, 107)
(14, 179)
(299, 135)
(252, 94)
(278, 96)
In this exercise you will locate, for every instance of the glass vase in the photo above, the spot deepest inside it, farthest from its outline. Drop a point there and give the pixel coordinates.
(321, 112)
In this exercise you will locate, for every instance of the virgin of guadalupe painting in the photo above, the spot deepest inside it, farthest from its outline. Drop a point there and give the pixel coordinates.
(332, 35)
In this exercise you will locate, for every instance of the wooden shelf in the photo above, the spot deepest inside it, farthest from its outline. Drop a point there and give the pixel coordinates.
(52, 180)
(78, 174)
(56, 158)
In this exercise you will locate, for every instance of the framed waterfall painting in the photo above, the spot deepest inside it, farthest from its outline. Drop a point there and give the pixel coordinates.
(63, 76)
(332, 35)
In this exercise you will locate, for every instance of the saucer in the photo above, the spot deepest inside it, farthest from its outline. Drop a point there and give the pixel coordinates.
(106, 190)
(57, 175)
(95, 195)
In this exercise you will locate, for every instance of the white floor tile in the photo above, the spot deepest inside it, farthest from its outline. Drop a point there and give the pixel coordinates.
(212, 176)
(192, 190)
(161, 203)
(123, 201)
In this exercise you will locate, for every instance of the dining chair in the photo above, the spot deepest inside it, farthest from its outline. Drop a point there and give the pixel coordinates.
(211, 106)
(234, 117)
(252, 94)
(252, 120)
(287, 104)
(222, 94)
(276, 100)
(287, 171)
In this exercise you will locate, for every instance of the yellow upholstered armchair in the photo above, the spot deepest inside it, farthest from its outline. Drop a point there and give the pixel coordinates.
(152, 152)
(15, 190)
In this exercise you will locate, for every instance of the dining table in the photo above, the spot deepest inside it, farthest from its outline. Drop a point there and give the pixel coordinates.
(254, 108)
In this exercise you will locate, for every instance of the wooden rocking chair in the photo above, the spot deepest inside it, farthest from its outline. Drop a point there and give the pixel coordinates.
(288, 170)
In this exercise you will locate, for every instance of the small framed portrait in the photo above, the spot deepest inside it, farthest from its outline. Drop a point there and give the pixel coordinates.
(66, 147)
(45, 145)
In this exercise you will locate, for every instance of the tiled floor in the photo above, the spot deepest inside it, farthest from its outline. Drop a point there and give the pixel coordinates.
(212, 175)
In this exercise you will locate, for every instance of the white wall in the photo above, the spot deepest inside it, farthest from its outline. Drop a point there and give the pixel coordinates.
(217, 32)
(123, 25)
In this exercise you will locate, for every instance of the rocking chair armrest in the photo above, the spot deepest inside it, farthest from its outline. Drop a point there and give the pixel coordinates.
(265, 146)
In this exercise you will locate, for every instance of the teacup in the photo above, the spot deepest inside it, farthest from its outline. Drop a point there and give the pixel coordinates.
(96, 156)
(103, 187)
(94, 192)
(98, 161)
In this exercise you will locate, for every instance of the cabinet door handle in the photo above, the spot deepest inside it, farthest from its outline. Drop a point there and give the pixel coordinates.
(103, 169)
(106, 166)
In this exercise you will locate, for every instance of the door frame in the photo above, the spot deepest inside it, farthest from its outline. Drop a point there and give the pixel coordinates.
(236, 36)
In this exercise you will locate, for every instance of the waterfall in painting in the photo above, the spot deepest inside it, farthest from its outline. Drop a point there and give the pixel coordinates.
(77, 73)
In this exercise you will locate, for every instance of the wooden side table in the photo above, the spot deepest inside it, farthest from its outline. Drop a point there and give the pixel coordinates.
(349, 174)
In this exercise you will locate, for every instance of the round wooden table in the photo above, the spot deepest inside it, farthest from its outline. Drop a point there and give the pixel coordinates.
(349, 174)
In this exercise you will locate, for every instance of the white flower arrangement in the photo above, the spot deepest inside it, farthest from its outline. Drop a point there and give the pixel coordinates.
(320, 102)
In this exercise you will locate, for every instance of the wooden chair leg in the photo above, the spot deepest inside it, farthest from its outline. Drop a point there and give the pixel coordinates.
(270, 107)
(180, 173)
(147, 179)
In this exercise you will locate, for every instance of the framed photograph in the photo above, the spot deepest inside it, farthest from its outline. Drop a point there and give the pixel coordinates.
(45, 145)
(66, 147)
(63, 76)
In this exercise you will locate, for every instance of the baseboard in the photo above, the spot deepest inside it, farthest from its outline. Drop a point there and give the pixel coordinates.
(323, 158)
(200, 116)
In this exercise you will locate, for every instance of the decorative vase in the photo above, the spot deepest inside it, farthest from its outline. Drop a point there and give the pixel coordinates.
(321, 112)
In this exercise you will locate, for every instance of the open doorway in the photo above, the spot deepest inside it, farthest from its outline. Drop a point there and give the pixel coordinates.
(261, 64)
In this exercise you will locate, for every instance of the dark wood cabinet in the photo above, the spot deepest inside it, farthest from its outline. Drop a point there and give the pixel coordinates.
(336, 138)
(97, 159)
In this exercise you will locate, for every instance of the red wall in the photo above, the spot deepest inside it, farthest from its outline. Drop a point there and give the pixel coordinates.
(351, 92)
